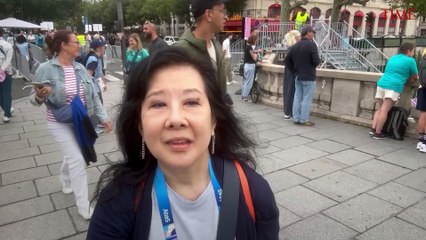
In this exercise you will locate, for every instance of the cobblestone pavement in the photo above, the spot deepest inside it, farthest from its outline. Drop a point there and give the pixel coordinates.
(331, 181)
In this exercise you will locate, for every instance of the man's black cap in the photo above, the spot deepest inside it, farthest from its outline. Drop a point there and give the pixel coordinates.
(306, 29)
(198, 7)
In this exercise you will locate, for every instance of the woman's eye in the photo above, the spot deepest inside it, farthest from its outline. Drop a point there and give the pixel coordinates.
(158, 104)
(192, 102)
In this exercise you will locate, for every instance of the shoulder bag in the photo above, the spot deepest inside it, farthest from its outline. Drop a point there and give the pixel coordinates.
(64, 114)
(129, 65)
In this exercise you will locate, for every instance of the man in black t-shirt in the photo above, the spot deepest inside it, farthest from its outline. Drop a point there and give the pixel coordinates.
(150, 33)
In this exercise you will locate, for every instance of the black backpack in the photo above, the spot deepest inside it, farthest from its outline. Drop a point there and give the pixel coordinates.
(396, 123)
(84, 57)
(422, 73)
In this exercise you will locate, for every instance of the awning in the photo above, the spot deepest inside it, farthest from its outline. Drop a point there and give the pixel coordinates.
(382, 15)
(359, 14)
(16, 23)
(233, 23)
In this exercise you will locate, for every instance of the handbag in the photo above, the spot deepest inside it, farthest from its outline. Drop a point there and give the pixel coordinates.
(64, 114)
(128, 67)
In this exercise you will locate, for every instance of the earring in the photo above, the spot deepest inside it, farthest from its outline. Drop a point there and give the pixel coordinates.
(213, 142)
(143, 149)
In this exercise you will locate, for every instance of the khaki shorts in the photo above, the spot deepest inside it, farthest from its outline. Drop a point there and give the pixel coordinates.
(385, 93)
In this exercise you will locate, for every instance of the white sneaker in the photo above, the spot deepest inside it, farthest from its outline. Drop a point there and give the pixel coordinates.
(66, 190)
(228, 83)
(233, 82)
(419, 145)
(6, 119)
(12, 110)
(423, 148)
(86, 213)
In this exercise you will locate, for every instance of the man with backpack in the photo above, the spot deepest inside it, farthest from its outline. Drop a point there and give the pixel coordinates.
(421, 105)
(399, 69)
(93, 64)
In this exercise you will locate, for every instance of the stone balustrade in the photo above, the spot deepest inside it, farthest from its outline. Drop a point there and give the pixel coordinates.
(346, 96)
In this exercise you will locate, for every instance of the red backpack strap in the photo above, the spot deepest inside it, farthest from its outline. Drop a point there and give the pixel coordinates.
(138, 195)
(246, 189)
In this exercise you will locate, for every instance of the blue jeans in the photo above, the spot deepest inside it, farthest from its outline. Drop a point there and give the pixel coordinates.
(303, 97)
(6, 95)
(249, 69)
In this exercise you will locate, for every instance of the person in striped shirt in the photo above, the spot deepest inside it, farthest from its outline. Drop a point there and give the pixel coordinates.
(58, 82)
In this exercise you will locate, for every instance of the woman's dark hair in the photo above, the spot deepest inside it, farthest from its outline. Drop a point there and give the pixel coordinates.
(54, 41)
(405, 47)
(231, 140)
(252, 40)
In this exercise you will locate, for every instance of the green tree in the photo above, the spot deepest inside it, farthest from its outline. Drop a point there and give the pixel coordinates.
(338, 4)
(287, 7)
(236, 7)
(63, 12)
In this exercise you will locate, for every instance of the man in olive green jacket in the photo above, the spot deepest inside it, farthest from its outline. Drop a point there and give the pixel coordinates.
(210, 17)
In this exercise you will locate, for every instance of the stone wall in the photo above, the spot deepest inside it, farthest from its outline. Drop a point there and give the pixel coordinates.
(342, 95)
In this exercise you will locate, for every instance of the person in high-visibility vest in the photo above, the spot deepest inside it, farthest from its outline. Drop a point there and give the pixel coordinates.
(300, 19)
(81, 39)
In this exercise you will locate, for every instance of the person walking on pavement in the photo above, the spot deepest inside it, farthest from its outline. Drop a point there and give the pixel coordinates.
(210, 17)
(302, 60)
(226, 45)
(250, 58)
(150, 33)
(291, 38)
(6, 55)
(61, 80)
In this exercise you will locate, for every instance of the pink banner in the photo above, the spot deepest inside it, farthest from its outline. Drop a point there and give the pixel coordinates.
(247, 27)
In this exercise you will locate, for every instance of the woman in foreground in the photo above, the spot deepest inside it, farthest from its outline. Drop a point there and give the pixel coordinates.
(176, 135)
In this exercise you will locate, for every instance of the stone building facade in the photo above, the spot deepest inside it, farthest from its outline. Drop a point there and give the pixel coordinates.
(373, 20)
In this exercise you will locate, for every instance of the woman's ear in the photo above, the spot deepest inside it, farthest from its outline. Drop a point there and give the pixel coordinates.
(140, 129)
(214, 122)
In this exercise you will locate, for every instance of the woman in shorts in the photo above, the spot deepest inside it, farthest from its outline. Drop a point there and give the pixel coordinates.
(399, 69)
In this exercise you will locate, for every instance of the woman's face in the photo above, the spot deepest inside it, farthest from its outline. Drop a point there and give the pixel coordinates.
(72, 47)
(133, 44)
(176, 117)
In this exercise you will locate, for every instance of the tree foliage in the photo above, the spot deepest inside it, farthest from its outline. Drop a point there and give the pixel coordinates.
(236, 7)
(338, 4)
(287, 7)
(62, 12)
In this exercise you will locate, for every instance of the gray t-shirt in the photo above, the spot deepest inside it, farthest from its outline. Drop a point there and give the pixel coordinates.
(193, 219)
(156, 45)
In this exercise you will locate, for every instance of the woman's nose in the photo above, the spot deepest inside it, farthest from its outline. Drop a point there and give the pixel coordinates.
(176, 117)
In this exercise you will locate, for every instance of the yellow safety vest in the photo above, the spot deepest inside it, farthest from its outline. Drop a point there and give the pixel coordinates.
(82, 40)
(300, 20)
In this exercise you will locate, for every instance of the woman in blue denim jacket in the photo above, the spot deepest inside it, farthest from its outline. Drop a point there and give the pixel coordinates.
(59, 78)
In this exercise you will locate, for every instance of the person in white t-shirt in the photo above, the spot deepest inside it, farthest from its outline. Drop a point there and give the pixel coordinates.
(226, 46)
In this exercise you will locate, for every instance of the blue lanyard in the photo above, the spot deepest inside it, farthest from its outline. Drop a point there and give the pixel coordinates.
(164, 203)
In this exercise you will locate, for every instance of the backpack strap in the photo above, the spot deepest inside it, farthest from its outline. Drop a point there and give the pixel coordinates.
(228, 214)
(246, 189)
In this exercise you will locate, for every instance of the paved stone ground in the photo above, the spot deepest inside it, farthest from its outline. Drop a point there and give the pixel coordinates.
(331, 181)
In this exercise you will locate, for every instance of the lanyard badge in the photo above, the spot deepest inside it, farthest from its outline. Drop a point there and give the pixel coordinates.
(164, 203)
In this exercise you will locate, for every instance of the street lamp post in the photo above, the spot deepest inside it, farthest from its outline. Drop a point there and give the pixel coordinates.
(121, 29)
